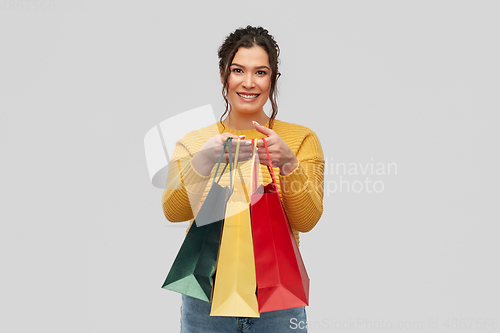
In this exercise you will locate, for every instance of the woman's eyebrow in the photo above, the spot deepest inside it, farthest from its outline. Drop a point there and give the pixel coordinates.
(235, 64)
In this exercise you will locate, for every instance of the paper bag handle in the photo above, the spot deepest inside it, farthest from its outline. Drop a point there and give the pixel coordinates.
(269, 167)
(235, 163)
(253, 175)
(220, 160)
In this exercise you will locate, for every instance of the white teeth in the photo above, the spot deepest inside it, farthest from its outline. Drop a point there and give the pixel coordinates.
(247, 96)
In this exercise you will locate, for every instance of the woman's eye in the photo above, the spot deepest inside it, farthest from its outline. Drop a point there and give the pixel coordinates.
(261, 72)
(237, 70)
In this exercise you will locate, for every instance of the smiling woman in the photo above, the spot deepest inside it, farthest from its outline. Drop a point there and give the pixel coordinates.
(248, 86)
(248, 65)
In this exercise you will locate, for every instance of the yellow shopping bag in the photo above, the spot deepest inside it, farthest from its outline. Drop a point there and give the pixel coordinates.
(234, 292)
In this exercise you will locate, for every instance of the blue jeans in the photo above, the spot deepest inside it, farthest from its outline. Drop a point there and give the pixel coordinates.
(195, 318)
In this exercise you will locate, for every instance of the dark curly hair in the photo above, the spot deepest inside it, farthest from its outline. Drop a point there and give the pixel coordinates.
(248, 37)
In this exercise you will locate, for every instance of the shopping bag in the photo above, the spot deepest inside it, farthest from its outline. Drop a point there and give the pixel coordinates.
(193, 268)
(213, 207)
(282, 280)
(235, 283)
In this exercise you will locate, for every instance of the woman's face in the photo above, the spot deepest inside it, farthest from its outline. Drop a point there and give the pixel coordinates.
(249, 80)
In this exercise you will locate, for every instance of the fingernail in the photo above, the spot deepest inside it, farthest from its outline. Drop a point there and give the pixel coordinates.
(242, 136)
(253, 121)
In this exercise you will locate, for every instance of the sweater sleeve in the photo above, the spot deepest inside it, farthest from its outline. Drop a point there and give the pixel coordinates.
(184, 187)
(302, 189)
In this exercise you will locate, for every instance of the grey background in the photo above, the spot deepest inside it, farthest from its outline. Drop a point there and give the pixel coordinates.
(84, 244)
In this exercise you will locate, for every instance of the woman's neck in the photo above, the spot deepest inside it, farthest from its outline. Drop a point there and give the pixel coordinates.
(242, 122)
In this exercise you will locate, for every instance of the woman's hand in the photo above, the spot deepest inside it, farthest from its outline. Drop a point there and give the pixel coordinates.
(281, 155)
(209, 154)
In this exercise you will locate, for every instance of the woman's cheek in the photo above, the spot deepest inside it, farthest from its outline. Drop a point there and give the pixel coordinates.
(266, 84)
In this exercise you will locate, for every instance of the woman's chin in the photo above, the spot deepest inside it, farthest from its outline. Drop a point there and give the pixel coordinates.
(247, 109)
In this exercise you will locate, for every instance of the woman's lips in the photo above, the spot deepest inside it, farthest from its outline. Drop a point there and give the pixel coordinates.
(248, 96)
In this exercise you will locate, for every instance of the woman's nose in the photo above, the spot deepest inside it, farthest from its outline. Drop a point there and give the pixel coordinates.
(248, 81)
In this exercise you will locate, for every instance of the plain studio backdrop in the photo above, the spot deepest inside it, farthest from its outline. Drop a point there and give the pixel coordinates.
(402, 94)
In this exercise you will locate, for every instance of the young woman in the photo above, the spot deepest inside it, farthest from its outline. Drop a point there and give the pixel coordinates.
(248, 64)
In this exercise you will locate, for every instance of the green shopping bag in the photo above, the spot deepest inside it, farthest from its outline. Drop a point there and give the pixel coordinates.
(193, 268)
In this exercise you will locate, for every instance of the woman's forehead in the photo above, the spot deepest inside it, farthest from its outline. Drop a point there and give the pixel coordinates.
(254, 56)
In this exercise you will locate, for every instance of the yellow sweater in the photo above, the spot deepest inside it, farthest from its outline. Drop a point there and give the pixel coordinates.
(301, 191)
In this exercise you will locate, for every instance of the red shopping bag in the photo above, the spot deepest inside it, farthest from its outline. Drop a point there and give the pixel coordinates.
(282, 280)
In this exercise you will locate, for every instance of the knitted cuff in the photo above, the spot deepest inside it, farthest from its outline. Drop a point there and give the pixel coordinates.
(192, 180)
(293, 182)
